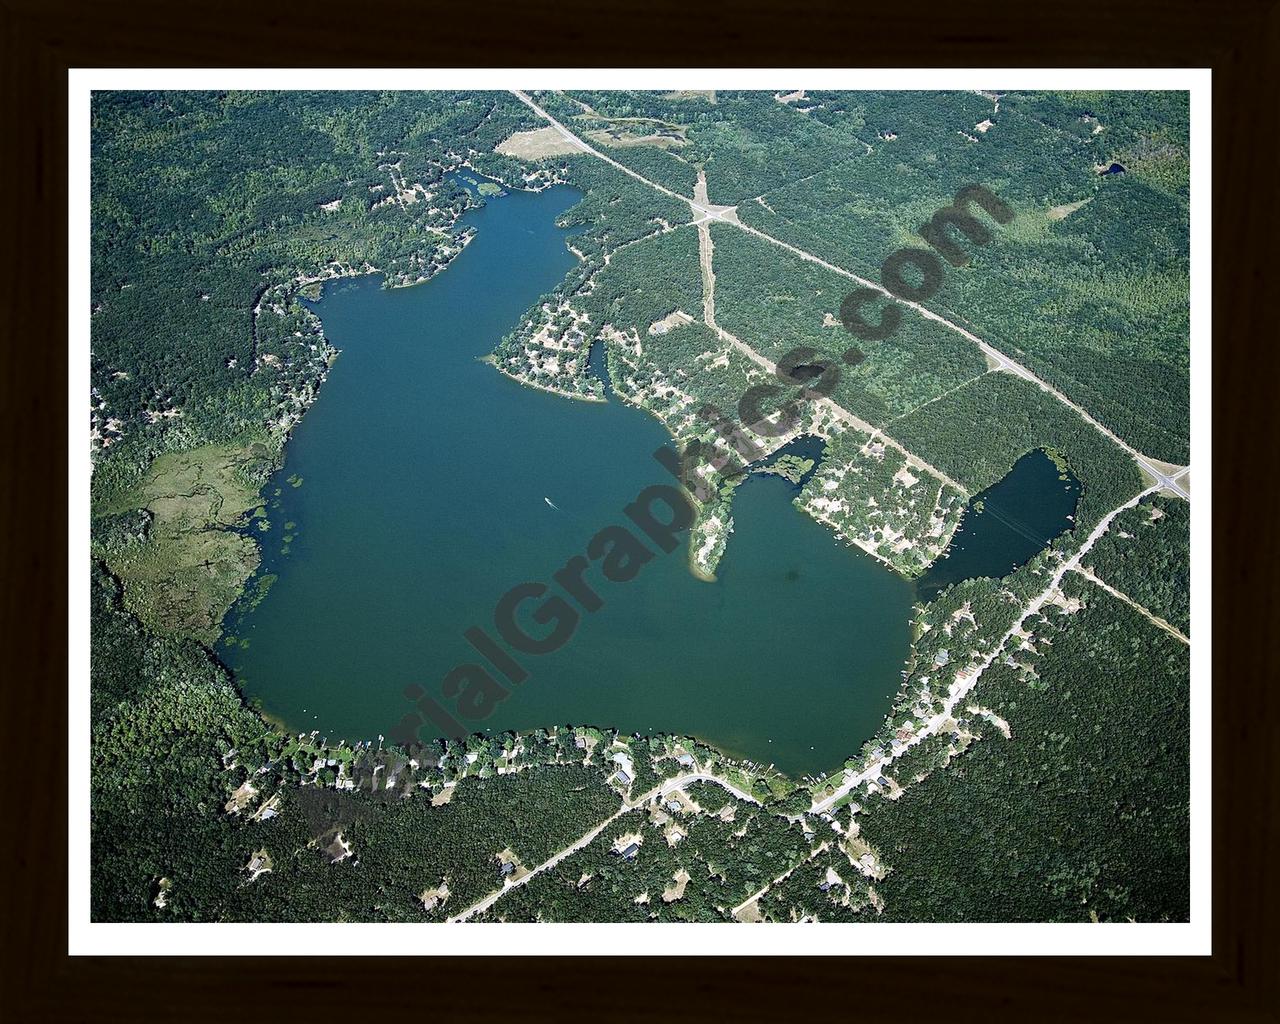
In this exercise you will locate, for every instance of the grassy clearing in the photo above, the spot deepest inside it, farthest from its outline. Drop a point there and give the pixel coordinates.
(538, 144)
(181, 579)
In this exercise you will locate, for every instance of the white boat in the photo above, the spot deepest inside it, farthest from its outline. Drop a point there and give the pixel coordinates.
(552, 504)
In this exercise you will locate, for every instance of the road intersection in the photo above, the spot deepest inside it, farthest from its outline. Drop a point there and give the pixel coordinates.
(1164, 476)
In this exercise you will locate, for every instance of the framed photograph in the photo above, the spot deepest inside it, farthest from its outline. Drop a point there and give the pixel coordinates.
(640, 514)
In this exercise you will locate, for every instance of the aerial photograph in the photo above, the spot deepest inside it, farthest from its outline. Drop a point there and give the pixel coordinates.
(762, 506)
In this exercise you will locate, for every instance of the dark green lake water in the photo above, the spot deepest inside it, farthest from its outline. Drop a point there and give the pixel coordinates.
(424, 474)
(1007, 524)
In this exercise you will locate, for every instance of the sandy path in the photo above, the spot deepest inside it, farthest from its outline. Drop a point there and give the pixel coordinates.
(1168, 627)
(821, 848)
(705, 253)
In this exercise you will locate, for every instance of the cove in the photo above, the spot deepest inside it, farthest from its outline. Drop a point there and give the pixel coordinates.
(423, 478)
(1007, 524)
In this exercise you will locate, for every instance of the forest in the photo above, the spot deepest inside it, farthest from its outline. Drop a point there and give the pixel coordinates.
(404, 847)
(646, 281)
(976, 433)
(1088, 286)
(163, 714)
(724, 856)
(614, 210)
(1147, 555)
(775, 301)
(1083, 814)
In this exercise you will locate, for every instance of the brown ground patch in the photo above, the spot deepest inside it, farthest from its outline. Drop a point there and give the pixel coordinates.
(692, 94)
(241, 798)
(1067, 209)
(622, 138)
(508, 856)
(1167, 468)
(536, 145)
(433, 899)
(675, 890)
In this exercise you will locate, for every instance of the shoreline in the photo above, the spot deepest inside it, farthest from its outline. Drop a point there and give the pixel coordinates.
(339, 272)
(492, 360)
(697, 571)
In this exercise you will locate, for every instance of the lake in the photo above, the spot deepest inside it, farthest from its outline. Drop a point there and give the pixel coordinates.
(1007, 524)
(424, 478)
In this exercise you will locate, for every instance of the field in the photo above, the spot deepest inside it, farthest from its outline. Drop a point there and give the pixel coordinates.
(535, 145)
(182, 570)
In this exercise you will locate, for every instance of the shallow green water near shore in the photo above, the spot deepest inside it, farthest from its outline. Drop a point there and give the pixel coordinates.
(425, 476)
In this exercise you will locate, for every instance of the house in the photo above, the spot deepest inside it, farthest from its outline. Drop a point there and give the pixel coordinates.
(506, 868)
(881, 781)
(626, 770)
(628, 852)
(686, 760)
(673, 806)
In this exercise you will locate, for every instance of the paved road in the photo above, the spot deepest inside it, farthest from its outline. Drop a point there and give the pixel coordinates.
(547, 865)
(664, 789)
(1165, 477)
(680, 781)
(963, 687)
